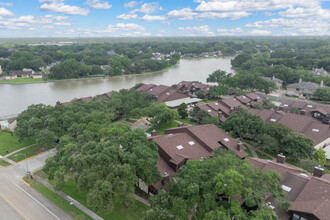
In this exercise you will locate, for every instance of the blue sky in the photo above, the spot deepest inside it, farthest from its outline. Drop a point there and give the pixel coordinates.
(120, 18)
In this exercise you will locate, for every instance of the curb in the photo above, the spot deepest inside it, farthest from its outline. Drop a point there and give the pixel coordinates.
(25, 182)
(5, 166)
(31, 157)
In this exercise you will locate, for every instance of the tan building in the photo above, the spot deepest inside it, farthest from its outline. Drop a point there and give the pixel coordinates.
(303, 89)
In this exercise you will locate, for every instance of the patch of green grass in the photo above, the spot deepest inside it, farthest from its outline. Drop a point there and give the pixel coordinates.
(263, 156)
(172, 124)
(250, 142)
(292, 162)
(31, 151)
(11, 143)
(21, 81)
(209, 101)
(4, 163)
(188, 121)
(247, 150)
(138, 212)
(59, 201)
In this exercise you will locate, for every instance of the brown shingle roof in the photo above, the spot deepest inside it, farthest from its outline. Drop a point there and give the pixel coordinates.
(243, 99)
(231, 102)
(11, 120)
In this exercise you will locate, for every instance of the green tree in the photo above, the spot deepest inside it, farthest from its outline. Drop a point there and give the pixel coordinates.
(218, 91)
(210, 189)
(182, 110)
(320, 156)
(218, 76)
(297, 146)
(244, 124)
(240, 59)
(44, 137)
(323, 93)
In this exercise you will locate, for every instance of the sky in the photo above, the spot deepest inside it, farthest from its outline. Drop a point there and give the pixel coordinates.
(121, 18)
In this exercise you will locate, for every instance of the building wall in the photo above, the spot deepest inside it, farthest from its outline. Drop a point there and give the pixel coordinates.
(13, 125)
(37, 76)
(325, 142)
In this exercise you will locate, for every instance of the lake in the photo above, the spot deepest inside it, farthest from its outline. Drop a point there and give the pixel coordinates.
(16, 98)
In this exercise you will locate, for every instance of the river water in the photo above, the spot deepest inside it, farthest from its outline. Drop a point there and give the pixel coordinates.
(16, 98)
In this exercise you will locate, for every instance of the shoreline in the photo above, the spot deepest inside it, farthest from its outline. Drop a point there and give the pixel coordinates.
(86, 78)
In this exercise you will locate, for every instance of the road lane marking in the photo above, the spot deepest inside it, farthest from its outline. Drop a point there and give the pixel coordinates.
(32, 197)
(14, 207)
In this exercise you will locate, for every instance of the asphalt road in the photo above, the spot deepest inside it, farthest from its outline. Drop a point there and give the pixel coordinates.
(19, 201)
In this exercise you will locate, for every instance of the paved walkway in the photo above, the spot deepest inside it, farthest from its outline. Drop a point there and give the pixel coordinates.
(16, 151)
(253, 150)
(8, 160)
(144, 201)
(69, 199)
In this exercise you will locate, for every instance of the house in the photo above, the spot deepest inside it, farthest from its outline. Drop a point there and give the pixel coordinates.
(308, 194)
(178, 145)
(12, 123)
(320, 112)
(225, 107)
(319, 72)
(303, 89)
(192, 88)
(111, 53)
(25, 73)
(278, 82)
(84, 99)
(303, 124)
(162, 93)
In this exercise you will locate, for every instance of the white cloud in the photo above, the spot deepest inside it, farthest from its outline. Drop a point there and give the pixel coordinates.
(4, 12)
(148, 8)
(215, 15)
(260, 32)
(131, 4)
(125, 27)
(311, 26)
(59, 7)
(62, 23)
(183, 14)
(234, 30)
(6, 4)
(153, 18)
(97, 4)
(203, 28)
(306, 12)
(127, 16)
(252, 5)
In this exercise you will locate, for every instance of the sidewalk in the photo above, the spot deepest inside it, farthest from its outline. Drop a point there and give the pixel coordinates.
(16, 151)
(253, 150)
(92, 214)
(8, 160)
(140, 199)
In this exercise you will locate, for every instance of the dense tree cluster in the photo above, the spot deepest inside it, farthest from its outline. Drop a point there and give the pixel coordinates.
(105, 157)
(270, 137)
(223, 187)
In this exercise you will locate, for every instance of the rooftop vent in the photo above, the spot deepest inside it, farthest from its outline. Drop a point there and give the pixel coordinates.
(216, 103)
(167, 93)
(179, 147)
(150, 89)
(191, 142)
(273, 120)
(209, 110)
(309, 106)
(305, 175)
(315, 130)
(244, 97)
(285, 105)
(286, 188)
(226, 139)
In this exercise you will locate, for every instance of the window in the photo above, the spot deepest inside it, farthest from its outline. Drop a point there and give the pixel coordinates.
(297, 89)
(295, 217)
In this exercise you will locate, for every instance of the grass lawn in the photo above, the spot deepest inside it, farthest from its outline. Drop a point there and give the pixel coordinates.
(263, 156)
(209, 101)
(273, 154)
(188, 121)
(11, 143)
(21, 81)
(172, 124)
(59, 201)
(247, 150)
(138, 212)
(4, 163)
(31, 151)
(292, 162)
